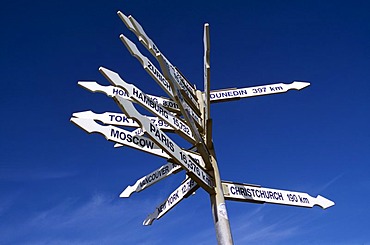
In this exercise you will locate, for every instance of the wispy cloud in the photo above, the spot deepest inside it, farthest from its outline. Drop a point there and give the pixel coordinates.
(100, 220)
(259, 227)
(329, 183)
(104, 219)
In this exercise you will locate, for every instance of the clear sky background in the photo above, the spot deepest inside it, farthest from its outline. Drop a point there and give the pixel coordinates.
(59, 185)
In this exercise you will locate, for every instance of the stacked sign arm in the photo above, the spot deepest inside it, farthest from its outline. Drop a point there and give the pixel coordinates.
(86, 121)
(147, 65)
(113, 90)
(178, 89)
(138, 30)
(119, 135)
(141, 98)
(186, 111)
(184, 84)
(124, 137)
(158, 76)
(177, 154)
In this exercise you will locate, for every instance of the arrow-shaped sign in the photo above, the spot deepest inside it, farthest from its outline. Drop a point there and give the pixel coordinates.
(111, 118)
(173, 150)
(152, 178)
(145, 101)
(239, 93)
(131, 139)
(138, 30)
(154, 72)
(120, 119)
(120, 136)
(113, 90)
(252, 193)
(183, 191)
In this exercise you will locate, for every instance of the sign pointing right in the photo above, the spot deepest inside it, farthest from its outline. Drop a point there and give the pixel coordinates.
(239, 93)
(256, 194)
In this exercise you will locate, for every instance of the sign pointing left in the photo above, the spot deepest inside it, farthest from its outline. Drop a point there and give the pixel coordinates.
(120, 136)
(183, 191)
(120, 119)
(113, 90)
(151, 178)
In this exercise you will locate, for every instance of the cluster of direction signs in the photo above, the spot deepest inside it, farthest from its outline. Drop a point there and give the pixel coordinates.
(186, 113)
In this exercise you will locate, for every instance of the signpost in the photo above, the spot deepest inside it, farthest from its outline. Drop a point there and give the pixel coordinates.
(187, 113)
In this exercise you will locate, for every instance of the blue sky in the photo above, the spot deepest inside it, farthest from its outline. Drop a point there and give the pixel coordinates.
(59, 185)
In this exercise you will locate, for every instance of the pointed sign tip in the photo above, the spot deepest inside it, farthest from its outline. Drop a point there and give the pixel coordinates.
(148, 221)
(300, 85)
(83, 114)
(117, 145)
(324, 202)
(125, 194)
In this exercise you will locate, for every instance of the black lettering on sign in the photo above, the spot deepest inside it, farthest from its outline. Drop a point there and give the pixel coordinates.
(173, 198)
(161, 208)
(132, 139)
(119, 92)
(162, 137)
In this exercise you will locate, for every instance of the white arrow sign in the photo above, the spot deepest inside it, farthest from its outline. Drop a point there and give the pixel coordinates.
(112, 91)
(112, 118)
(120, 136)
(141, 98)
(183, 191)
(131, 139)
(120, 119)
(238, 93)
(250, 193)
(154, 72)
(151, 178)
(137, 29)
(177, 154)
